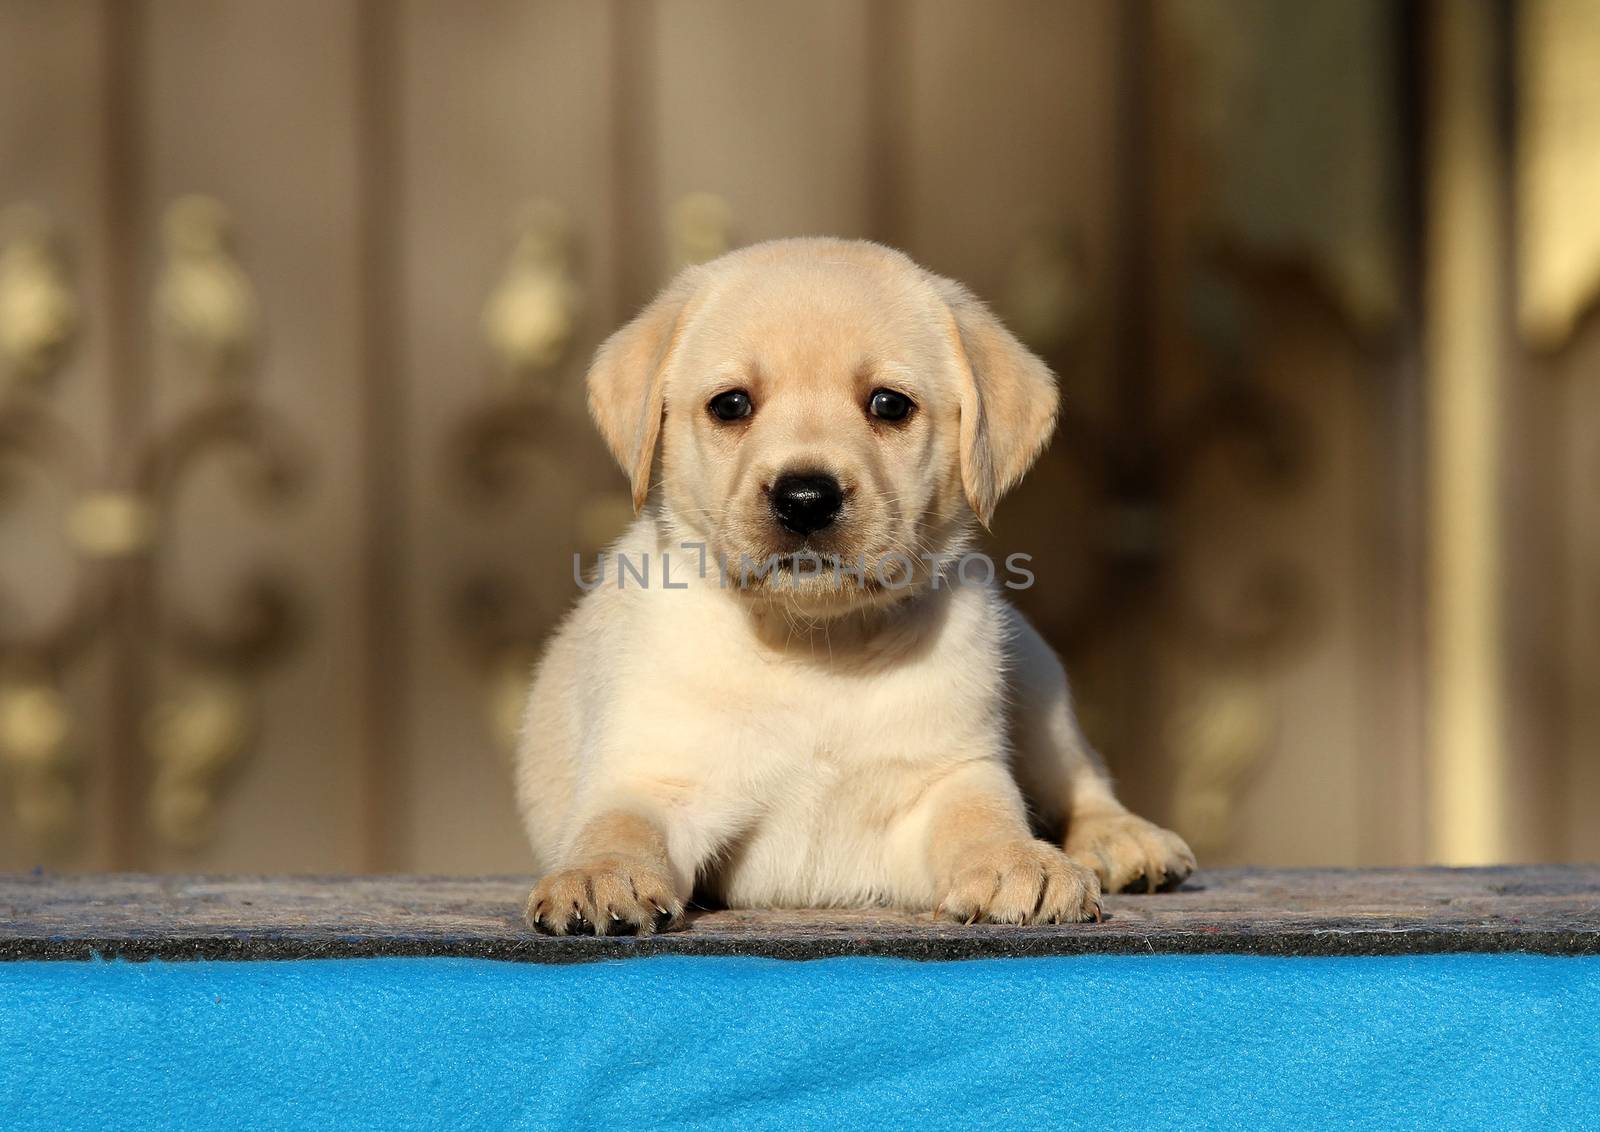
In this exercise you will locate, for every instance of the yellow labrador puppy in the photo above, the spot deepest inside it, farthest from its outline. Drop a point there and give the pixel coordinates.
(786, 686)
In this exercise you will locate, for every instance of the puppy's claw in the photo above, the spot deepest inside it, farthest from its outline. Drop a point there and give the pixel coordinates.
(615, 897)
(1023, 882)
(1130, 854)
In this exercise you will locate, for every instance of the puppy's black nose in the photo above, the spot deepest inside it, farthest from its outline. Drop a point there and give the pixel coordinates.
(806, 502)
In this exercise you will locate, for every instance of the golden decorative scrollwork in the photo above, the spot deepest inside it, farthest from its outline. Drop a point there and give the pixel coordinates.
(38, 308)
(205, 306)
(111, 524)
(531, 315)
(1558, 167)
(1045, 299)
(1136, 469)
(39, 319)
(206, 316)
(523, 434)
(700, 228)
(196, 735)
(207, 323)
(1223, 727)
(1286, 135)
(1295, 175)
(35, 729)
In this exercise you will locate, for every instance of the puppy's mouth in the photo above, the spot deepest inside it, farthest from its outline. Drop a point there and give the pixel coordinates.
(790, 553)
(808, 560)
(798, 564)
(825, 575)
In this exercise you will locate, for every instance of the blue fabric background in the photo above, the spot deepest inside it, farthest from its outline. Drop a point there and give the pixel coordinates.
(1465, 1041)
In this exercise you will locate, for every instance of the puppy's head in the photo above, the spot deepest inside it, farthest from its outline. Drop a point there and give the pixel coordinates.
(824, 415)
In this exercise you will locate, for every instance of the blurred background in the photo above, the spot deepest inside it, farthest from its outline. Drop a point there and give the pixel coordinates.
(296, 299)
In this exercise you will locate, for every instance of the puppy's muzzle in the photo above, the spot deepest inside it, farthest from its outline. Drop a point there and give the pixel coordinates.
(806, 502)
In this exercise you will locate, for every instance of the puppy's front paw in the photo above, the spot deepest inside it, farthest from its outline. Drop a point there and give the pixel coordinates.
(616, 896)
(1128, 853)
(1022, 882)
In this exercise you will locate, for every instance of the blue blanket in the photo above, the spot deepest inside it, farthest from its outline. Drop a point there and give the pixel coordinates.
(1147, 1042)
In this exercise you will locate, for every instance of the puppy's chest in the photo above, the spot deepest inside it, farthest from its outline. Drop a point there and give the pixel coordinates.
(809, 728)
(822, 829)
(831, 729)
(834, 758)
(832, 762)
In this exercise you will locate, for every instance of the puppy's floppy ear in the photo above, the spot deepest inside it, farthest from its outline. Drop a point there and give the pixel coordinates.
(1008, 400)
(625, 381)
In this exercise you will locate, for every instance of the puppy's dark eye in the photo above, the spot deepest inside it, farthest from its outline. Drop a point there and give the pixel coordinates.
(733, 405)
(887, 405)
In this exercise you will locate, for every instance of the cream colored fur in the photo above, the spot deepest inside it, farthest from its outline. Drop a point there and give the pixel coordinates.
(815, 742)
